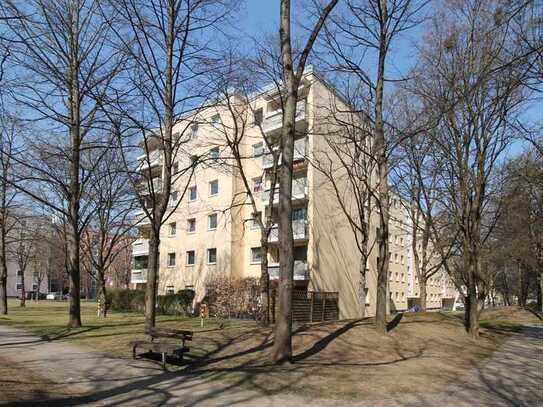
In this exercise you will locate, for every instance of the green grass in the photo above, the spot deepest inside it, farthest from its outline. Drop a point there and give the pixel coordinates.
(112, 334)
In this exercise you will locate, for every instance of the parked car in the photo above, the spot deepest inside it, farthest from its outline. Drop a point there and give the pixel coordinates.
(54, 296)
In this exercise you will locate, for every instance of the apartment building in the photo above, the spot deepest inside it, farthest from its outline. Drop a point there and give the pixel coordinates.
(211, 232)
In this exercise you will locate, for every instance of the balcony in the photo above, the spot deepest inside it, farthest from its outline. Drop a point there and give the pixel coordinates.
(301, 270)
(140, 247)
(140, 218)
(144, 188)
(299, 191)
(300, 149)
(299, 231)
(274, 120)
(154, 160)
(138, 276)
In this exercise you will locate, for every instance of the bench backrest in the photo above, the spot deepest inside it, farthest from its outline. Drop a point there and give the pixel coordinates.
(170, 333)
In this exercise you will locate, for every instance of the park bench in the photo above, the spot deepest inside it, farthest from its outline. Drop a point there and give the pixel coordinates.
(167, 342)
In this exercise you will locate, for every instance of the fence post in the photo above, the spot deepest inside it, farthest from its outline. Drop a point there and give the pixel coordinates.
(312, 298)
(323, 305)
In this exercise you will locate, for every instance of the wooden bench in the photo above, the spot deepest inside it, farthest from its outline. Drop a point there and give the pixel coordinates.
(167, 342)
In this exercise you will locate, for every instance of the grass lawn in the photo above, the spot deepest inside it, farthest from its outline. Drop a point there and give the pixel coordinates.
(347, 359)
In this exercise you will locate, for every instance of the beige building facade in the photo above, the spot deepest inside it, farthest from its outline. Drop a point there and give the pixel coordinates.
(211, 231)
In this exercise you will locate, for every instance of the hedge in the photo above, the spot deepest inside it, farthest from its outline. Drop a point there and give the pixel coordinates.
(124, 300)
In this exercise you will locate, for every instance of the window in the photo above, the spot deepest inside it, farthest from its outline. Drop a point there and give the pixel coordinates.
(212, 221)
(194, 130)
(34, 287)
(173, 198)
(193, 193)
(258, 149)
(193, 159)
(401, 259)
(175, 168)
(191, 258)
(19, 287)
(214, 153)
(258, 116)
(215, 120)
(256, 255)
(191, 225)
(214, 187)
(171, 259)
(172, 228)
(212, 256)
(256, 217)
(257, 184)
(170, 289)
(19, 273)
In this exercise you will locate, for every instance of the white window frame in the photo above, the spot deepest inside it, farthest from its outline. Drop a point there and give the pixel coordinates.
(172, 231)
(168, 264)
(195, 188)
(209, 221)
(210, 191)
(258, 149)
(187, 258)
(188, 225)
(208, 252)
(252, 250)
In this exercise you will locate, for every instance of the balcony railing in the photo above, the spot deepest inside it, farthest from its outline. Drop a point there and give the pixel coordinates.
(299, 191)
(138, 276)
(144, 188)
(301, 270)
(300, 149)
(154, 160)
(140, 247)
(140, 218)
(274, 120)
(299, 231)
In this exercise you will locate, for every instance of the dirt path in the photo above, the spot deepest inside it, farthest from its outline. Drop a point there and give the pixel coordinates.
(513, 376)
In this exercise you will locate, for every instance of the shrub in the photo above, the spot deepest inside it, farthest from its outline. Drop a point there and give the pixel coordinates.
(121, 299)
(176, 304)
(233, 297)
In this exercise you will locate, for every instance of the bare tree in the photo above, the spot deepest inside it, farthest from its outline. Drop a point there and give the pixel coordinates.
(168, 56)
(472, 105)
(361, 30)
(106, 235)
(64, 67)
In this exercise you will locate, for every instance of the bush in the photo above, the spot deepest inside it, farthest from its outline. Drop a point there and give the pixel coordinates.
(233, 297)
(122, 299)
(175, 304)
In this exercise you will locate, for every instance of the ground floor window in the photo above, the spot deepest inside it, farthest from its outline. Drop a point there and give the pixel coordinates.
(256, 255)
(212, 256)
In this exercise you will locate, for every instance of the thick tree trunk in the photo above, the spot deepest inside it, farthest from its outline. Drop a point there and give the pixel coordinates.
(472, 310)
(152, 278)
(282, 346)
(540, 293)
(3, 266)
(75, 279)
(101, 295)
(423, 294)
(382, 174)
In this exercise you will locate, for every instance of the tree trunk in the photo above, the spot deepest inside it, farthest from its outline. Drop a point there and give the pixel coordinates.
(282, 345)
(362, 286)
(472, 309)
(3, 268)
(75, 277)
(540, 293)
(423, 293)
(265, 282)
(23, 290)
(382, 174)
(152, 278)
(101, 295)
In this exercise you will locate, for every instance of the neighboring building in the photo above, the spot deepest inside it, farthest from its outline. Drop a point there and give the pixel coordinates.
(208, 235)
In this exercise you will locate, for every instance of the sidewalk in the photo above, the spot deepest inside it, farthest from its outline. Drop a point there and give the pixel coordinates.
(513, 376)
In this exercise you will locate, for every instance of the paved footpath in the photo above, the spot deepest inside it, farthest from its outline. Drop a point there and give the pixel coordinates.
(513, 376)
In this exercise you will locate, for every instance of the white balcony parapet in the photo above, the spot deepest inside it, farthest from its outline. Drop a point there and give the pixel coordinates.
(140, 218)
(301, 270)
(299, 191)
(144, 188)
(140, 247)
(154, 160)
(138, 276)
(274, 120)
(299, 231)
(300, 149)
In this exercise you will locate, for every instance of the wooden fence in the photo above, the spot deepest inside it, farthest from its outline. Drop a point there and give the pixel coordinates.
(310, 306)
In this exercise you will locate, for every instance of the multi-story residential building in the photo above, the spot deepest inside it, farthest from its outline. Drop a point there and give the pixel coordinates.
(210, 232)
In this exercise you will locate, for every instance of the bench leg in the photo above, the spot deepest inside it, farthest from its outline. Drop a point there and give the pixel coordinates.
(134, 352)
